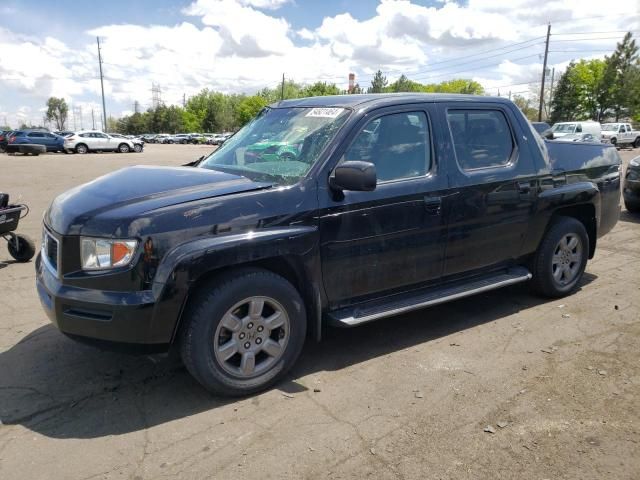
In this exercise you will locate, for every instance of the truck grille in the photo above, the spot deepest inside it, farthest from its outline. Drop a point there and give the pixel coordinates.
(50, 250)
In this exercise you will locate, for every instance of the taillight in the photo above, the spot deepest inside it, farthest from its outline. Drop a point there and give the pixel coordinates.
(12, 139)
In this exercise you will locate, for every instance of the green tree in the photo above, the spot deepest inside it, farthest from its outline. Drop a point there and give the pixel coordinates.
(403, 84)
(378, 83)
(526, 107)
(320, 89)
(566, 97)
(249, 107)
(191, 121)
(620, 75)
(57, 111)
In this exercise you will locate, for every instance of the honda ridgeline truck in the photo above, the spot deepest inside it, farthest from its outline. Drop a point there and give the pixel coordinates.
(333, 210)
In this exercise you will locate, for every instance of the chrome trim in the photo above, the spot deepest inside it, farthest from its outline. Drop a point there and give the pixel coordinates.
(43, 252)
(353, 321)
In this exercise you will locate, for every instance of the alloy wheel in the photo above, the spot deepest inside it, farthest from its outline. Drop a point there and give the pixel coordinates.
(567, 259)
(251, 337)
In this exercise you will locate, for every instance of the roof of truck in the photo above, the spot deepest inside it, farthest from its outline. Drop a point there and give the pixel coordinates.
(382, 99)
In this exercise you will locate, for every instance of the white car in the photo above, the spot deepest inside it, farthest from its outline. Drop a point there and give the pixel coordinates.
(620, 134)
(561, 129)
(93, 141)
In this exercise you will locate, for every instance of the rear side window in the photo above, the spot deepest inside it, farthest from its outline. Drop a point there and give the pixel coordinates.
(481, 138)
(36, 135)
(398, 144)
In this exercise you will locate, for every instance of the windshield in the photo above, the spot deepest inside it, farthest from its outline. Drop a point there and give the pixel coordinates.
(564, 127)
(610, 127)
(280, 145)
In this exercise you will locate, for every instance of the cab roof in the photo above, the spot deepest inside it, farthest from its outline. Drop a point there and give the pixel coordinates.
(375, 100)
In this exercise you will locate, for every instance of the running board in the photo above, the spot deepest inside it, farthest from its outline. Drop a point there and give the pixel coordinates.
(402, 303)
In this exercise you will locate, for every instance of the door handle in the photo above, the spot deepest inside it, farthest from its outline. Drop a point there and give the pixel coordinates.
(524, 188)
(433, 205)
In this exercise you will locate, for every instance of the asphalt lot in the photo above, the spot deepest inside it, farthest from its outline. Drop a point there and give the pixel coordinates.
(406, 397)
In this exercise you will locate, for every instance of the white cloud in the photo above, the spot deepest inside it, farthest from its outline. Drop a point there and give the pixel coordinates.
(245, 45)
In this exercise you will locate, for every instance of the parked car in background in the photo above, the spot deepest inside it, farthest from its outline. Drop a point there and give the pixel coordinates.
(197, 138)
(138, 143)
(183, 138)
(561, 129)
(64, 133)
(631, 186)
(93, 141)
(4, 139)
(215, 139)
(162, 138)
(578, 137)
(149, 137)
(51, 141)
(620, 134)
(234, 261)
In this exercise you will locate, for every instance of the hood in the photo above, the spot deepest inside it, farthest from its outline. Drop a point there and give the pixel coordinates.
(132, 191)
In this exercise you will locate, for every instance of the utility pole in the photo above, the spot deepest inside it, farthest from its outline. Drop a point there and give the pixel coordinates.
(509, 94)
(93, 120)
(282, 89)
(184, 100)
(544, 72)
(104, 108)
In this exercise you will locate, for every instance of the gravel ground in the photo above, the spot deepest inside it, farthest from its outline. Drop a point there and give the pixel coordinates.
(555, 383)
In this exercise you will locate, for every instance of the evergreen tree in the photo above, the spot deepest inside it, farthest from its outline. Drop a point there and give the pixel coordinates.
(378, 83)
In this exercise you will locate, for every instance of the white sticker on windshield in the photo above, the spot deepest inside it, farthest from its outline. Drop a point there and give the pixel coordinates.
(324, 112)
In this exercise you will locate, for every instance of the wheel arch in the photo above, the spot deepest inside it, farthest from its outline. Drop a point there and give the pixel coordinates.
(290, 252)
(585, 213)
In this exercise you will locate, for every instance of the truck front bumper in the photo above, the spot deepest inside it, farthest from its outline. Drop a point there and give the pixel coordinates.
(113, 320)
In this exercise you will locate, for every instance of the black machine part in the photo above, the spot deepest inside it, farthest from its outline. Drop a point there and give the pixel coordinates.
(4, 200)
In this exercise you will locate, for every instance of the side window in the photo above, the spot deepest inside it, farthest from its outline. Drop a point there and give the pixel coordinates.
(623, 129)
(579, 129)
(36, 135)
(85, 135)
(481, 138)
(399, 145)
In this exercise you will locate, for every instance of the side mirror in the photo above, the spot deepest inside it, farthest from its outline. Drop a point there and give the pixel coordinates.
(548, 134)
(354, 175)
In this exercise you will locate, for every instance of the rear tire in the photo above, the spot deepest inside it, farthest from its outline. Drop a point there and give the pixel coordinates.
(243, 333)
(26, 248)
(82, 148)
(561, 258)
(636, 144)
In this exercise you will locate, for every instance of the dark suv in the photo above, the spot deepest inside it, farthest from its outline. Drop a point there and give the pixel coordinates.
(52, 142)
(326, 210)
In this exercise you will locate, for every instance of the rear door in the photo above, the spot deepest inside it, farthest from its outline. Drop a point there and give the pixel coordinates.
(493, 171)
(37, 138)
(394, 236)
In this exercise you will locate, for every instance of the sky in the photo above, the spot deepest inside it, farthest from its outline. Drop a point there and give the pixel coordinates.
(48, 47)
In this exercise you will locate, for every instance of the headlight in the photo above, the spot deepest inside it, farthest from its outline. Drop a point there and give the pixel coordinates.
(635, 162)
(100, 254)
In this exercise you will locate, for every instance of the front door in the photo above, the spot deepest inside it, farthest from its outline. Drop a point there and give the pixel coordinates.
(392, 237)
(493, 171)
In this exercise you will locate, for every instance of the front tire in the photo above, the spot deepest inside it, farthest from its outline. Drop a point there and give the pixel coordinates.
(561, 258)
(123, 148)
(137, 148)
(243, 333)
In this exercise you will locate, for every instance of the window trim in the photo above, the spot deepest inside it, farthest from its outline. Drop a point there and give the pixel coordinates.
(515, 149)
(430, 172)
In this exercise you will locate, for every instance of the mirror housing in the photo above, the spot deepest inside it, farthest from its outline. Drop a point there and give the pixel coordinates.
(354, 175)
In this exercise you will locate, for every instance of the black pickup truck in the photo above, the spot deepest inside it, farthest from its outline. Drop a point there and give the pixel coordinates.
(329, 210)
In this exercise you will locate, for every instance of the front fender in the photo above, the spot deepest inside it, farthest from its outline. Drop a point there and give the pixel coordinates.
(190, 261)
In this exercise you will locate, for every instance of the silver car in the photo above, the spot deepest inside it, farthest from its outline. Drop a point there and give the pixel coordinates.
(92, 141)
